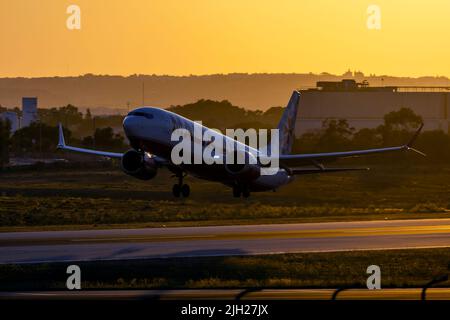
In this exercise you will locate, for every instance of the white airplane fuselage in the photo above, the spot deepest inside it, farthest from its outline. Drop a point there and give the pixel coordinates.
(150, 130)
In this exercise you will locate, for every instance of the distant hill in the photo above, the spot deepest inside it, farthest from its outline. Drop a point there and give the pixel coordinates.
(113, 94)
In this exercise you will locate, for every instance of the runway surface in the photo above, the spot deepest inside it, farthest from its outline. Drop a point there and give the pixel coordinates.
(233, 294)
(118, 244)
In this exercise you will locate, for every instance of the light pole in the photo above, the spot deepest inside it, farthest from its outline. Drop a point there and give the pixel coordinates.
(93, 134)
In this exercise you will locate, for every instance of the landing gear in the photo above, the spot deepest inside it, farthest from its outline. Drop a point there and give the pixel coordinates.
(185, 190)
(239, 190)
(181, 189)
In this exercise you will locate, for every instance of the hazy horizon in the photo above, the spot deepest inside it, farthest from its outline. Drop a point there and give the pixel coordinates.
(250, 91)
(377, 75)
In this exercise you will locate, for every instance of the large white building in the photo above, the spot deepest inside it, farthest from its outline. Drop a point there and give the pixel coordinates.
(365, 107)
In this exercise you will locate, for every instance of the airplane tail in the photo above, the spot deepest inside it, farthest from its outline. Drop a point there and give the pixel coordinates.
(286, 126)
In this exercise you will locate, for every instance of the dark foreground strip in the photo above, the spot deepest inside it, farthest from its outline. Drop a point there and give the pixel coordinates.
(202, 309)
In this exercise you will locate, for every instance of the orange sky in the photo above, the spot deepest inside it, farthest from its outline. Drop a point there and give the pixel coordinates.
(182, 37)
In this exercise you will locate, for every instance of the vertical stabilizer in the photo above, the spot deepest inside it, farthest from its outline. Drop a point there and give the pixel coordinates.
(287, 124)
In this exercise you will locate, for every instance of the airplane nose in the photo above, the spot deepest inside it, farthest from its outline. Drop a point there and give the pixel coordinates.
(129, 126)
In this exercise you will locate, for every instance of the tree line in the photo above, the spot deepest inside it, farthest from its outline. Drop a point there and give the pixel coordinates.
(335, 134)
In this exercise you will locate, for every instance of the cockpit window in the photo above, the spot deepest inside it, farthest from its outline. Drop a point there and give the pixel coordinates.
(141, 114)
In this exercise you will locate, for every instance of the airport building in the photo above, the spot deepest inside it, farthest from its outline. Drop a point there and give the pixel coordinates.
(364, 106)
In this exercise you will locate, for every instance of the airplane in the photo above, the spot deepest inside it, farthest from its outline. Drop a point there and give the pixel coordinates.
(149, 131)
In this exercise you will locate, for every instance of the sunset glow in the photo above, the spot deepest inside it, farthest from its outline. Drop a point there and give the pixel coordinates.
(205, 37)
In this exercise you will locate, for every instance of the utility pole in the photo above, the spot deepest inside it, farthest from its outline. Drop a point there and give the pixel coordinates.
(40, 138)
(93, 134)
(143, 92)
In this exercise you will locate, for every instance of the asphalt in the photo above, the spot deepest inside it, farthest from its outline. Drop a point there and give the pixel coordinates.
(233, 294)
(123, 244)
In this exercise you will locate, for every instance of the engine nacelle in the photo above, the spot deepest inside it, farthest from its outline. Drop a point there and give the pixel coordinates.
(138, 165)
(244, 167)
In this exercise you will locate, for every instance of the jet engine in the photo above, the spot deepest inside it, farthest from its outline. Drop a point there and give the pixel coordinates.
(244, 166)
(139, 165)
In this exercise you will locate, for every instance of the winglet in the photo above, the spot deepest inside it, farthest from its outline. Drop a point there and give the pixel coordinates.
(61, 142)
(411, 142)
(414, 137)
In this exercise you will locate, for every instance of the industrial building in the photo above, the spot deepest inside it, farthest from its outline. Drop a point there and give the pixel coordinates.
(364, 106)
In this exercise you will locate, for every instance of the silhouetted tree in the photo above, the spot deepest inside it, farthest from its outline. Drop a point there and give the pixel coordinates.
(398, 126)
(68, 115)
(88, 115)
(28, 139)
(223, 114)
(367, 138)
(403, 119)
(104, 138)
(335, 134)
(5, 128)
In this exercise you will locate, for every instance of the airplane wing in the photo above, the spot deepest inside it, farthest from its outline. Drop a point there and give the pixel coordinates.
(316, 159)
(62, 145)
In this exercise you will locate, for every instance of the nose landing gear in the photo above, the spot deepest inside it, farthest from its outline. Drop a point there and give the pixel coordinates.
(239, 190)
(180, 189)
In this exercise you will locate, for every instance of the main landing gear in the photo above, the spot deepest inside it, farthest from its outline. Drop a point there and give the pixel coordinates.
(180, 189)
(239, 190)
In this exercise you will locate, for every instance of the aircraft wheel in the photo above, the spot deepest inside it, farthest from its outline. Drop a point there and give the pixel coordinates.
(185, 190)
(176, 190)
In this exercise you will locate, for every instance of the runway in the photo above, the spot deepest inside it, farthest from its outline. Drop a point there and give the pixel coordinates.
(231, 294)
(121, 244)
